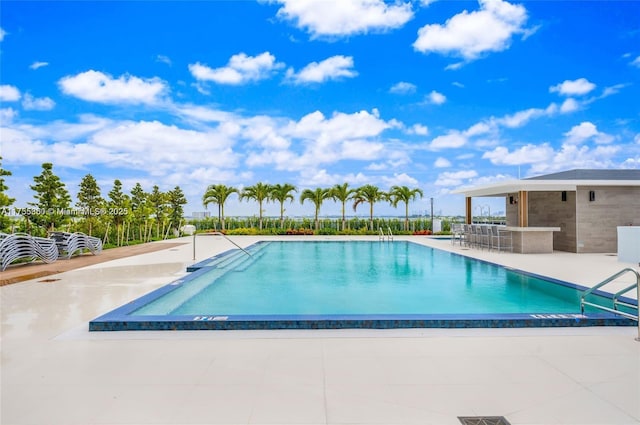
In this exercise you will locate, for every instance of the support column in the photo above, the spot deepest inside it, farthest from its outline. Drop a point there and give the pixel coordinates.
(468, 211)
(523, 208)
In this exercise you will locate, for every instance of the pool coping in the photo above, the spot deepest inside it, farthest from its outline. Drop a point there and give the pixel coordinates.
(120, 319)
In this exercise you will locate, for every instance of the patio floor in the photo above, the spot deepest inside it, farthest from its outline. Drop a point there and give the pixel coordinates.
(53, 371)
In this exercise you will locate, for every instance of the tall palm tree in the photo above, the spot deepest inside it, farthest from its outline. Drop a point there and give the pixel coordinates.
(258, 192)
(317, 197)
(370, 194)
(282, 193)
(404, 194)
(218, 194)
(342, 193)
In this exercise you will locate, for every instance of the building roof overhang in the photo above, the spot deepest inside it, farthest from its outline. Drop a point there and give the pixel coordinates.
(513, 186)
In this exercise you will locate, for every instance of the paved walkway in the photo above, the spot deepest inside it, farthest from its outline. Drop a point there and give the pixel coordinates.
(22, 272)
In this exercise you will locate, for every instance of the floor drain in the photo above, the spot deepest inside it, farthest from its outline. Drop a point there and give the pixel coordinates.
(483, 420)
(48, 280)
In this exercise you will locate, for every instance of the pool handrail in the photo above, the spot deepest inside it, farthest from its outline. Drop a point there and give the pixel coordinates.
(615, 310)
(217, 234)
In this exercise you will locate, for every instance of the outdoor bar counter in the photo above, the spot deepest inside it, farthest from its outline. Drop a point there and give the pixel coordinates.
(532, 240)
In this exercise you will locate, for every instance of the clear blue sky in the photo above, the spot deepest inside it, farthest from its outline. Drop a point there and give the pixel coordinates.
(428, 94)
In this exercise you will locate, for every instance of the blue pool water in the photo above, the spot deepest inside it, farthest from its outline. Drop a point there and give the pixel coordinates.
(330, 284)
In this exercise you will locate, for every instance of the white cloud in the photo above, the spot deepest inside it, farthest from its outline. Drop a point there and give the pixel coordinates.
(586, 131)
(2, 34)
(9, 93)
(336, 18)
(435, 98)
(37, 65)
(528, 154)
(453, 139)
(455, 178)
(636, 62)
(442, 163)
(520, 118)
(458, 84)
(637, 138)
(402, 179)
(403, 87)
(163, 59)
(31, 103)
(316, 139)
(471, 34)
(569, 105)
(240, 69)
(573, 156)
(419, 129)
(7, 115)
(333, 68)
(95, 86)
(578, 87)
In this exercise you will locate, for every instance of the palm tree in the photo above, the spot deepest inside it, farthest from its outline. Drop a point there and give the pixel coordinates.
(342, 193)
(404, 194)
(218, 194)
(317, 197)
(258, 192)
(370, 194)
(282, 193)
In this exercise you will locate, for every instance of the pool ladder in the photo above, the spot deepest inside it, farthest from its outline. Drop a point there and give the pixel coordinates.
(616, 297)
(382, 236)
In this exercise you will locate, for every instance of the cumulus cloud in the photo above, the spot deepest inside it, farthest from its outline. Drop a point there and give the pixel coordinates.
(333, 68)
(9, 93)
(469, 35)
(147, 146)
(636, 62)
(574, 156)
(453, 139)
(455, 178)
(338, 18)
(442, 163)
(37, 65)
(418, 129)
(569, 105)
(317, 139)
(586, 131)
(578, 87)
(7, 115)
(2, 34)
(95, 86)
(528, 154)
(435, 98)
(403, 87)
(240, 69)
(31, 103)
(399, 179)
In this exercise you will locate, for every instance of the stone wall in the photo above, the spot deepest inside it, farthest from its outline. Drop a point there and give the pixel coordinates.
(547, 209)
(598, 219)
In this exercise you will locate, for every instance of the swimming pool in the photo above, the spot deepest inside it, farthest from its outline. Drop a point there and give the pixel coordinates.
(354, 284)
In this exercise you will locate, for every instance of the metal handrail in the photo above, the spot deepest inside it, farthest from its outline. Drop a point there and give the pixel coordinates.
(380, 234)
(217, 234)
(390, 234)
(615, 310)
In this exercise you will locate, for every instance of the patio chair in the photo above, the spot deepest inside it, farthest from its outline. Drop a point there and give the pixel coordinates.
(18, 246)
(70, 243)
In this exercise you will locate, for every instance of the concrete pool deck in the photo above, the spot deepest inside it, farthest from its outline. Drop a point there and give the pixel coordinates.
(53, 371)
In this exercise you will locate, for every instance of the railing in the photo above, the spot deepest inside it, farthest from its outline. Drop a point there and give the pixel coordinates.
(382, 236)
(217, 234)
(616, 296)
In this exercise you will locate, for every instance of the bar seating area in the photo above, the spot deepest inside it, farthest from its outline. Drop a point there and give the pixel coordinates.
(482, 236)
